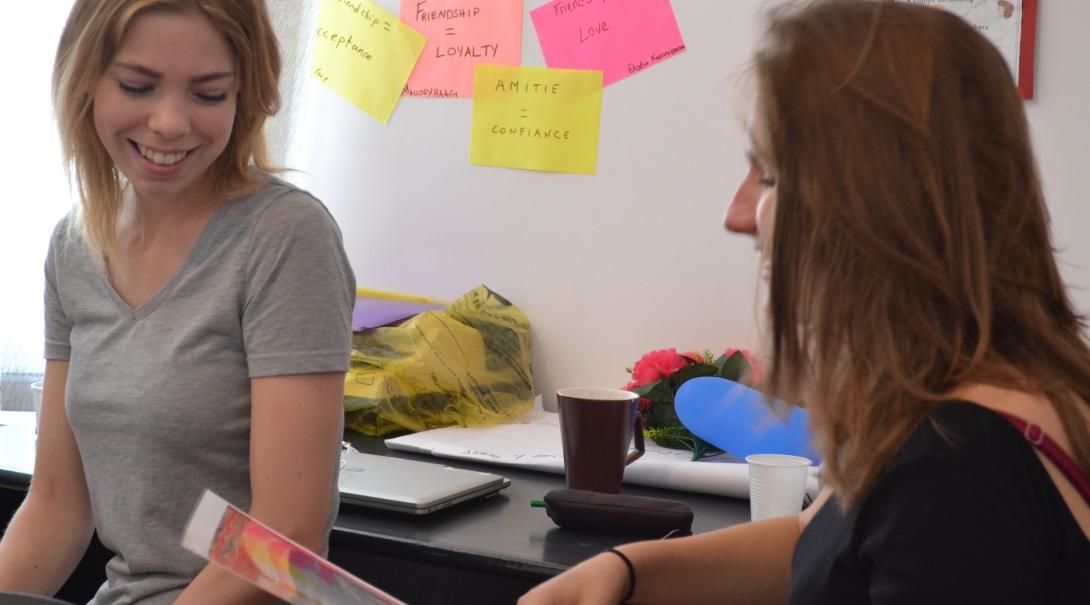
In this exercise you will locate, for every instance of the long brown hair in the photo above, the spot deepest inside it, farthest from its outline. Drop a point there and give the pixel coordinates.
(91, 37)
(911, 250)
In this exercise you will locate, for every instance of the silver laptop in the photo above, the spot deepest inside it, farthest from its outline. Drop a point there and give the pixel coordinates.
(410, 486)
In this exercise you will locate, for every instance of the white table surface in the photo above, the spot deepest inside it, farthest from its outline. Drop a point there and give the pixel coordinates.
(17, 442)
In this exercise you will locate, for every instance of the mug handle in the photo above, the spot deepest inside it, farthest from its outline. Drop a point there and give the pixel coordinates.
(637, 436)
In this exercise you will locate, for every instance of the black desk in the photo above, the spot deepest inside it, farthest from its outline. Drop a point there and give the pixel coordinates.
(484, 551)
(488, 551)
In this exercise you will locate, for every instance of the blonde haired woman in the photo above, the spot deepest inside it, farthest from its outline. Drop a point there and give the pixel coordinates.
(198, 309)
(916, 305)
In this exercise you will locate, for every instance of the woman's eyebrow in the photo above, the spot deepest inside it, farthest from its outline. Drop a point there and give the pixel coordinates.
(154, 74)
(213, 76)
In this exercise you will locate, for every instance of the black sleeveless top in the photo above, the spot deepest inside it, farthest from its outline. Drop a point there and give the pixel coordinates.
(974, 518)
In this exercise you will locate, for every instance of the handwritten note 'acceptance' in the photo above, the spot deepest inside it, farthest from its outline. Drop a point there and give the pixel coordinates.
(619, 38)
(536, 118)
(365, 54)
(461, 34)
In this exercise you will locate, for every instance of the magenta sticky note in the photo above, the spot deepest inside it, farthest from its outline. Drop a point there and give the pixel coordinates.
(620, 38)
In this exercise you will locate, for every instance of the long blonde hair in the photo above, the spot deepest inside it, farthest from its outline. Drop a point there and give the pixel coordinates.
(911, 249)
(91, 37)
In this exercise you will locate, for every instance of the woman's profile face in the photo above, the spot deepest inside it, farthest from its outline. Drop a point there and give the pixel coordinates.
(750, 212)
(165, 105)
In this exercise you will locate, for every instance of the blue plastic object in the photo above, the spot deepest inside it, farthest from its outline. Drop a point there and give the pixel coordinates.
(736, 419)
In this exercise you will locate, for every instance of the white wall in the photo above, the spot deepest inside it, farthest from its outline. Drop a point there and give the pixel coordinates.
(1059, 119)
(634, 258)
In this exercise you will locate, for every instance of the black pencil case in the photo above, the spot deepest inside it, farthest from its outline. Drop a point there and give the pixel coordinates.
(634, 515)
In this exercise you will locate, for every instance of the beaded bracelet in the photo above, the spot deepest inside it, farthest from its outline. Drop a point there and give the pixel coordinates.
(631, 574)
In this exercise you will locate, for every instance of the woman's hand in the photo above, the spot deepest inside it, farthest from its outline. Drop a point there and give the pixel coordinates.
(602, 579)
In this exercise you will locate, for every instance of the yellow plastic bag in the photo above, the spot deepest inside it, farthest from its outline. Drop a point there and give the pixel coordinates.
(467, 365)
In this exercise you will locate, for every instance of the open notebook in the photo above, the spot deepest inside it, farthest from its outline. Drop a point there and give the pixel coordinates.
(410, 486)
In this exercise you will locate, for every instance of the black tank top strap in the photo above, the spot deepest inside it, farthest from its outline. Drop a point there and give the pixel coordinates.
(1037, 436)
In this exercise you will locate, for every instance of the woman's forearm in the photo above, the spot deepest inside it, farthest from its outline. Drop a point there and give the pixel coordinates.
(748, 563)
(42, 545)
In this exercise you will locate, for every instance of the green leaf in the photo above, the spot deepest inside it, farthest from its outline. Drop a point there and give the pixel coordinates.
(662, 414)
(703, 449)
(736, 368)
(699, 448)
(647, 388)
(658, 391)
(674, 437)
(692, 371)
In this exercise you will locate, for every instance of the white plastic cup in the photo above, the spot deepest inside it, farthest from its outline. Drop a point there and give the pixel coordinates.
(777, 484)
(36, 391)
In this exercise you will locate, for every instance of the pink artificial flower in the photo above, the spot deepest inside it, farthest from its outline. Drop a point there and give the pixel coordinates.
(657, 365)
(756, 372)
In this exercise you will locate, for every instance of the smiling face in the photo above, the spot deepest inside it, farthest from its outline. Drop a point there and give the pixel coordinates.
(165, 106)
(751, 210)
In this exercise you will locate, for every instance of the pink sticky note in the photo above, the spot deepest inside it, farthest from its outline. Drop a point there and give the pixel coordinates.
(461, 34)
(619, 38)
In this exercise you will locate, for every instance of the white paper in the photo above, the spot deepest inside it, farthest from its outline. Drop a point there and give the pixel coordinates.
(17, 442)
(533, 442)
(202, 526)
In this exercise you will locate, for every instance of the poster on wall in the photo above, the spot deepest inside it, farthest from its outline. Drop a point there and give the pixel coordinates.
(536, 118)
(1010, 24)
(461, 34)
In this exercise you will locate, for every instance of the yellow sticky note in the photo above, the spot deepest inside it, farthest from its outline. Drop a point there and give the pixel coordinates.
(365, 54)
(536, 118)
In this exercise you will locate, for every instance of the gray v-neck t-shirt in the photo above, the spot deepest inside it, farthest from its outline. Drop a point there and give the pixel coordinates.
(159, 397)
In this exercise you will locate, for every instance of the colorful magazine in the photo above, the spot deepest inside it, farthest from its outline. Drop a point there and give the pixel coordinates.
(228, 537)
